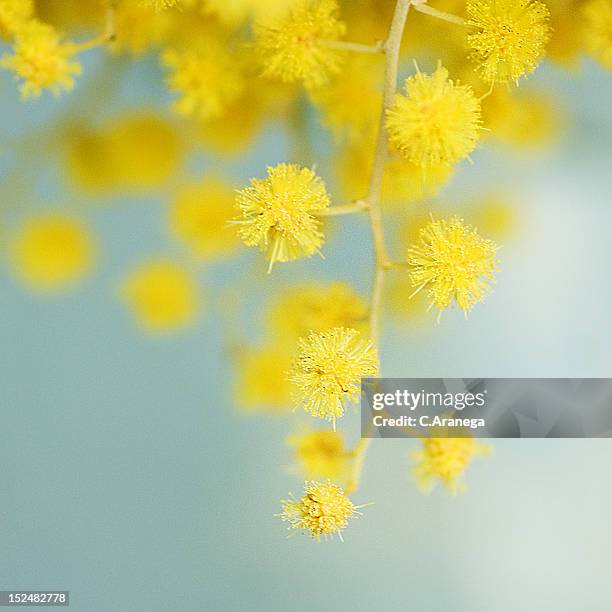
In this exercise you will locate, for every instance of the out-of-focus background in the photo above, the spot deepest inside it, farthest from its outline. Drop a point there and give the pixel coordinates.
(133, 475)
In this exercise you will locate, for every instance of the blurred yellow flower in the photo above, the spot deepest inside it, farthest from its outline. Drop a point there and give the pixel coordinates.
(160, 5)
(453, 263)
(198, 217)
(295, 47)
(315, 307)
(138, 150)
(13, 15)
(326, 374)
(445, 460)
(324, 510)
(41, 60)
(276, 213)
(206, 77)
(261, 386)
(522, 119)
(511, 37)
(139, 28)
(51, 252)
(162, 295)
(598, 30)
(436, 122)
(351, 101)
(321, 454)
(495, 215)
(567, 37)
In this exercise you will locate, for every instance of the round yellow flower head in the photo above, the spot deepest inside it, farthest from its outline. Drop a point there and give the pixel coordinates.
(324, 510)
(511, 37)
(316, 307)
(14, 14)
(597, 31)
(41, 60)
(321, 454)
(452, 262)
(207, 78)
(445, 460)
(436, 122)
(162, 295)
(198, 217)
(326, 375)
(52, 252)
(277, 213)
(296, 47)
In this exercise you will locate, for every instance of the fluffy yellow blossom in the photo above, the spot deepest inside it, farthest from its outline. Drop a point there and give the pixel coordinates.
(324, 510)
(316, 307)
(134, 151)
(14, 14)
(198, 217)
(51, 252)
(41, 60)
(276, 213)
(296, 47)
(452, 262)
(445, 460)
(234, 12)
(206, 77)
(598, 31)
(162, 295)
(261, 385)
(567, 37)
(326, 375)
(436, 122)
(321, 454)
(510, 39)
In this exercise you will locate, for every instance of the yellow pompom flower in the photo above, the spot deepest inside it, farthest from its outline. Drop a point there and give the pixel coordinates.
(321, 454)
(261, 386)
(276, 213)
(316, 307)
(51, 252)
(324, 510)
(296, 47)
(453, 262)
(207, 78)
(326, 375)
(162, 296)
(597, 30)
(41, 60)
(436, 122)
(14, 14)
(198, 217)
(510, 39)
(445, 460)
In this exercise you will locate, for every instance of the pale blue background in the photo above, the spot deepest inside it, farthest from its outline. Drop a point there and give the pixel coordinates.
(127, 478)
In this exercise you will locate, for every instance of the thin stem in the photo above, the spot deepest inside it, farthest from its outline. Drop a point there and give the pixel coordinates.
(347, 209)
(345, 45)
(107, 36)
(432, 12)
(381, 260)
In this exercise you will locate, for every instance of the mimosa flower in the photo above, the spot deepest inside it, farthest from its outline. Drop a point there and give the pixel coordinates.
(321, 454)
(597, 30)
(324, 510)
(510, 39)
(326, 375)
(295, 47)
(453, 263)
(436, 122)
(445, 460)
(14, 14)
(41, 60)
(276, 213)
